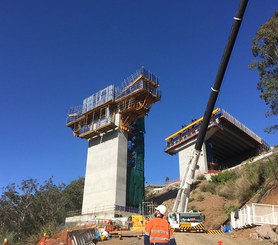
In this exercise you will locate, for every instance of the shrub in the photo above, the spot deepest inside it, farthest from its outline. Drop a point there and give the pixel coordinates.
(255, 174)
(227, 191)
(201, 177)
(191, 199)
(208, 187)
(200, 198)
(229, 209)
(192, 207)
(243, 190)
(272, 168)
(223, 177)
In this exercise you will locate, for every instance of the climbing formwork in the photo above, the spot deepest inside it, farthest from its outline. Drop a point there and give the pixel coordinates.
(112, 120)
(115, 106)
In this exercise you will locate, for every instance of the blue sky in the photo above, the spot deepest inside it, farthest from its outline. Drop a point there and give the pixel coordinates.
(53, 54)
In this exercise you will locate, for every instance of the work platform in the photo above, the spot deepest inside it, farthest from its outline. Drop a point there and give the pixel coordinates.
(227, 143)
(115, 107)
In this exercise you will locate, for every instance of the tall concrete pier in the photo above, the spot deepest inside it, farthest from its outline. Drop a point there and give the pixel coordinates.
(105, 180)
(109, 120)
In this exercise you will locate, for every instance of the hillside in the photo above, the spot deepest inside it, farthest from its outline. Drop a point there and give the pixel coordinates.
(254, 181)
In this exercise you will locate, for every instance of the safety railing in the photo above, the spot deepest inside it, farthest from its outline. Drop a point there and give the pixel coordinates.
(74, 113)
(104, 208)
(112, 93)
(124, 92)
(127, 87)
(142, 71)
(96, 124)
(189, 132)
(254, 214)
(240, 125)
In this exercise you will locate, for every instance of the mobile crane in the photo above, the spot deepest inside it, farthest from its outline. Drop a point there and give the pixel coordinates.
(180, 219)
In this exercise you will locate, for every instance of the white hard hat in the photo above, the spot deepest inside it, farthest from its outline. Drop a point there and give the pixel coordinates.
(162, 209)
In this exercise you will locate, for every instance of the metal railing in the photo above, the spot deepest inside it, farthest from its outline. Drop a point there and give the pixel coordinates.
(254, 214)
(96, 124)
(127, 87)
(74, 113)
(114, 93)
(240, 125)
(104, 208)
(188, 133)
(194, 130)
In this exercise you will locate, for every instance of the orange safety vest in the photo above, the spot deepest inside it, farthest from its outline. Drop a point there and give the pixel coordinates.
(159, 231)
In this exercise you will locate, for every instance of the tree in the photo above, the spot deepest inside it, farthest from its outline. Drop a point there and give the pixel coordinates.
(73, 195)
(265, 51)
(17, 209)
(27, 208)
(49, 203)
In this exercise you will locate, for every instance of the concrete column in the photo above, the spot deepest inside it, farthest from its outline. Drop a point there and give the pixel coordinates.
(186, 153)
(105, 179)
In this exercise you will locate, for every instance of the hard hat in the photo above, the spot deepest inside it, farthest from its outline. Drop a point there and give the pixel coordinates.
(5, 240)
(161, 208)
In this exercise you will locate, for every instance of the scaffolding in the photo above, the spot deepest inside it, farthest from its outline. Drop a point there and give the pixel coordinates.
(135, 164)
(114, 107)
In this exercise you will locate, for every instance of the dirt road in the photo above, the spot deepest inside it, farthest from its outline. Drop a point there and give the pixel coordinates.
(193, 239)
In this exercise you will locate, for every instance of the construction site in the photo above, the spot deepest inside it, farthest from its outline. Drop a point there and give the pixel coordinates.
(114, 201)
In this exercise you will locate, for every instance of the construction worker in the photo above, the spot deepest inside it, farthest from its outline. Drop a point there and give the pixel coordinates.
(158, 230)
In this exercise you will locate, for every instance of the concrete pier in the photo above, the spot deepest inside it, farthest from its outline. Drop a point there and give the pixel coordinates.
(105, 181)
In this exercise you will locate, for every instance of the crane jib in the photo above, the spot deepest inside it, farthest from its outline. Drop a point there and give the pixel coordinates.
(220, 74)
(181, 201)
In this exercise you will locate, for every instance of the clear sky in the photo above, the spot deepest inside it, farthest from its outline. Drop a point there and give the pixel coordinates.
(53, 54)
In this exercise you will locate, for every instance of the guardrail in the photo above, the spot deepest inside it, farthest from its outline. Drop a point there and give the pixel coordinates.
(254, 214)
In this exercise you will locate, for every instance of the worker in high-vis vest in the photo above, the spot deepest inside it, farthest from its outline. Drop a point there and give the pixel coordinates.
(158, 230)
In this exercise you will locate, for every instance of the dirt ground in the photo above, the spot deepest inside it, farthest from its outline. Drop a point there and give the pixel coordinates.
(238, 238)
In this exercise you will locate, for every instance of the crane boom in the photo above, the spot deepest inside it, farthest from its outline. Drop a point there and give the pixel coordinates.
(181, 201)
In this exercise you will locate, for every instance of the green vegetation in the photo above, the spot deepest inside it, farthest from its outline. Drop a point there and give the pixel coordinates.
(201, 177)
(208, 187)
(265, 51)
(230, 209)
(224, 177)
(245, 182)
(191, 199)
(30, 209)
(200, 198)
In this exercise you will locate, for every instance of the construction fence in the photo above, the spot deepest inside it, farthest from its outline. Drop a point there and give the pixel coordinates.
(254, 214)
